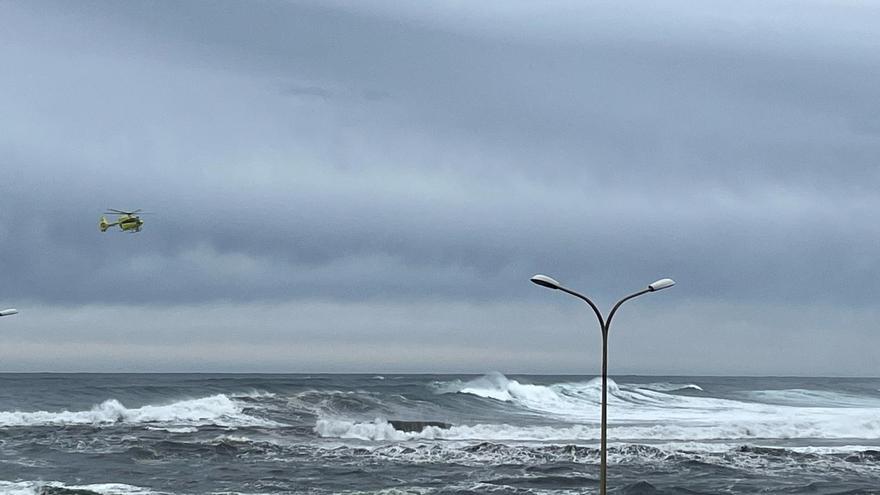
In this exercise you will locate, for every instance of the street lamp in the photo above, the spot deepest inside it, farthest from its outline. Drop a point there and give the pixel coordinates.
(550, 283)
(8, 312)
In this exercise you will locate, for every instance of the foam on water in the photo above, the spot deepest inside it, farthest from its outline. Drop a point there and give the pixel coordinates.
(566, 400)
(801, 397)
(382, 430)
(665, 456)
(37, 487)
(213, 410)
(174, 429)
(653, 412)
(336, 402)
(536, 397)
(702, 433)
(253, 394)
(672, 387)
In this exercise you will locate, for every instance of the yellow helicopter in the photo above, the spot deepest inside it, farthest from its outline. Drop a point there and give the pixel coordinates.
(128, 221)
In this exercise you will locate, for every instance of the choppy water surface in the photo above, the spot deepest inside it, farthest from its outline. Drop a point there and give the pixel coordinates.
(193, 434)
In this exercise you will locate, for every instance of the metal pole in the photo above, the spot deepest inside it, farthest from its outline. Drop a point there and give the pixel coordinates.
(603, 452)
(604, 325)
(604, 445)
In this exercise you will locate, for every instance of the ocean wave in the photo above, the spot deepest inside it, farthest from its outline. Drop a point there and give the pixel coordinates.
(728, 456)
(812, 398)
(174, 429)
(253, 394)
(217, 410)
(541, 397)
(828, 428)
(652, 411)
(572, 400)
(338, 402)
(672, 387)
(55, 487)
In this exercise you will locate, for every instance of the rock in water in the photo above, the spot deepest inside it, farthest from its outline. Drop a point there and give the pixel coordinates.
(416, 426)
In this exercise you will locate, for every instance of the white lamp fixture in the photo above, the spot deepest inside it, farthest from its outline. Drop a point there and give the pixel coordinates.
(663, 283)
(545, 281)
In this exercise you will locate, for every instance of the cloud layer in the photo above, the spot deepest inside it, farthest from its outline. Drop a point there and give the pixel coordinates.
(378, 155)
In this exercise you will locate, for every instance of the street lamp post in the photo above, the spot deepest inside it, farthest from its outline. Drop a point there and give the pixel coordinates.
(604, 324)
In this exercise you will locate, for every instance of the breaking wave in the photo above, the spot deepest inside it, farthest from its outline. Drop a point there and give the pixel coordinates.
(639, 412)
(382, 430)
(573, 401)
(213, 410)
(672, 387)
(55, 487)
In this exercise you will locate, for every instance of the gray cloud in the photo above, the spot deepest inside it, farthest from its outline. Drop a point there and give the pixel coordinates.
(314, 91)
(377, 154)
(665, 334)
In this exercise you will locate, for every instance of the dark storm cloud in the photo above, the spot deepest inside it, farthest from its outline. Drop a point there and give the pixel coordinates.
(521, 153)
(379, 153)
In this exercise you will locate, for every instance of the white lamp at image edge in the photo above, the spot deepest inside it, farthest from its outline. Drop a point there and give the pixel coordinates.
(8, 312)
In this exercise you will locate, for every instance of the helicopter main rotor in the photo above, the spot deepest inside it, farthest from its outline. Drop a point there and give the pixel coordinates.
(111, 211)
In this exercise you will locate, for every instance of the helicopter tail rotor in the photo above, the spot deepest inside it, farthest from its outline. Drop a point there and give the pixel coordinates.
(103, 224)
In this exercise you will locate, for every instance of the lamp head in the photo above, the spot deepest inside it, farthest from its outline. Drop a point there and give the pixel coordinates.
(545, 281)
(663, 283)
(7, 312)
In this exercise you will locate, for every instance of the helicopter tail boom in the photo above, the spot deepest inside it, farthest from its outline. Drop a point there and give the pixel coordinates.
(104, 224)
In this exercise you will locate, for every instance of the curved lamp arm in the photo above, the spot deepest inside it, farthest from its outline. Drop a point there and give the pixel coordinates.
(663, 283)
(625, 299)
(587, 300)
(551, 283)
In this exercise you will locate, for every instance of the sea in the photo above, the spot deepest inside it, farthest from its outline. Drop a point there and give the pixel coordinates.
(85, 434)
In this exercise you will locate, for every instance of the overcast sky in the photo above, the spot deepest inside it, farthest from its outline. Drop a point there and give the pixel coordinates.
(368, 186)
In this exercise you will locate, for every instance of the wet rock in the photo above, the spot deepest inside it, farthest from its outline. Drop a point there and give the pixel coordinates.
(416, 426)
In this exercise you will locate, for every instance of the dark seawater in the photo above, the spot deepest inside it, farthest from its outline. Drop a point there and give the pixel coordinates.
(191, 434)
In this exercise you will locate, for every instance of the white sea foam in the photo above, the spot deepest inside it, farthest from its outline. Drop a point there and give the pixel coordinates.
(36, 487)
(575, 401)
(174, 429)
(231, 439)
(216, 409)
(813, 398)
(536, 397)
(381, 430)
(253, 394)
(640, 412)
(729, 455)
(672, 387)
(337, 402)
